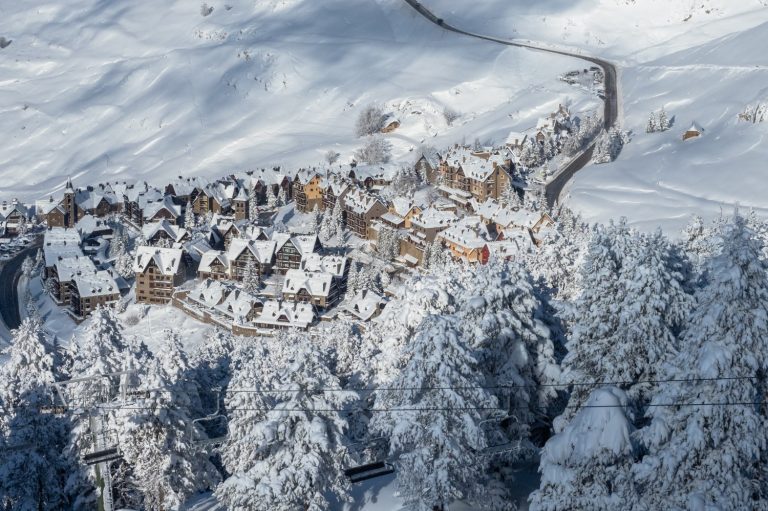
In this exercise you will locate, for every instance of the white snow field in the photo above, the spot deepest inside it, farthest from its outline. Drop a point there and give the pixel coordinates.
(703, 61)
(131, 90)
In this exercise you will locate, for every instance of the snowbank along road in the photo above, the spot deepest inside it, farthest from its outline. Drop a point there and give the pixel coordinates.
(554, 186)
(9, 281)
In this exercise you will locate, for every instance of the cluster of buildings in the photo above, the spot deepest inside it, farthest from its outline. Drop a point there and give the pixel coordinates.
(73, 279)
(290, 278)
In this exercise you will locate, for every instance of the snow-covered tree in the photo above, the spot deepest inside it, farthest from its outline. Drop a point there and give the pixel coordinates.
(253, 208)
(663, 121)
(286, 451)
(438, 256)
(388, 244)
(271, 198)
(625, 324)
(315, 219)
(708, 456)
(609, 145)
(251, 278)
(353, 280)
(588, 464)
(33, 465)
(370, 121)
(653, 124)
(158, 436)
(281, 199)
(27, 267)
(189, 216)
(433, 423)
(39, 261)
(377, 149)
(331, 157)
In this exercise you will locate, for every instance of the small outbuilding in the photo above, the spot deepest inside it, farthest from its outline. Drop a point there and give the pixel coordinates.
(694, 131)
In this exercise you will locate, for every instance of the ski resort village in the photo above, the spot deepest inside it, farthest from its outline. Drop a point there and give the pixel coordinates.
(394, 255)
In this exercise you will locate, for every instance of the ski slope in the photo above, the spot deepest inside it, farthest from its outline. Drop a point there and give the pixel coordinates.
(703, 61)
(109, 90)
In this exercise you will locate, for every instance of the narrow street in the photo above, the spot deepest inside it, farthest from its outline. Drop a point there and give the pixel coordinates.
(9, 280)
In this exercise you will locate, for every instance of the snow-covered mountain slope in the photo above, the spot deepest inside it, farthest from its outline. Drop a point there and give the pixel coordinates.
(113, 90)
(703, 61)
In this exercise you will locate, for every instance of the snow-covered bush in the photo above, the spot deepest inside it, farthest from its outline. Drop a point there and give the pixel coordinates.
(370, 121)
(450, 115)
(377, 149)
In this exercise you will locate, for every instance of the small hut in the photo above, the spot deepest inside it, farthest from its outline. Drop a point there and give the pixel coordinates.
(694, 131)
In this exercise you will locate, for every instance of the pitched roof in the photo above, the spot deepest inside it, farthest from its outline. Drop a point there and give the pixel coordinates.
(262, 250)
(335, 265)
(275, 313)
(365, 304)
(360, 202)
(152, 207)
(167, 260)
(470, 233)
(174, 232)
(211, 257)
(315, 283)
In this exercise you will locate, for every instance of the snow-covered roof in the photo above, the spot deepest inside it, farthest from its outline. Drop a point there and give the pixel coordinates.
(315, 283)
(90, 199)
(470, 233)
(174, 232)
(365, 304)
(238, 304)
(209, 258)
(144, 197)
(167, 260)
(379, 172)
(7, 209)
(360, 201)
(184, 186)
(336, 184)
(314, 262)
(474, 166)
(515, 139)
(60, 243)
(695, 127)
(432, 218)
(209, 293)
(262, 250)
(292, 314)
(152, 207)
(403, 205)
(197, 247)
(513, 244)
(264, 176)
(95, 283)
(304, 176)
(69, 267)
(505, 216)
(393, 218)
(45, 206)
(90, 224)
(304, 243)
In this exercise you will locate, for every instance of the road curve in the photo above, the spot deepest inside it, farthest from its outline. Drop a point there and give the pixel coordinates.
(554, 187)
(9, 280)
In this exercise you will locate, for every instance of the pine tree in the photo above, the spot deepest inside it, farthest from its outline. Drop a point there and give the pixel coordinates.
(652, 126)
(438, 441)
(157, 435)
(287, 456)
(189, 216)
(271, 198)
(500, 321)
(438, 256)
(663, 121)
(253, 208)
(337, 222)
(27, 267)
(314, 219)
(33, 466)
(251, 277)
(712, 456)
(281, 201)
(588, 464)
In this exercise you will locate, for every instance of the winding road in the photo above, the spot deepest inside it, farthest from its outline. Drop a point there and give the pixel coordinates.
(554, 187)
(9, 280)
